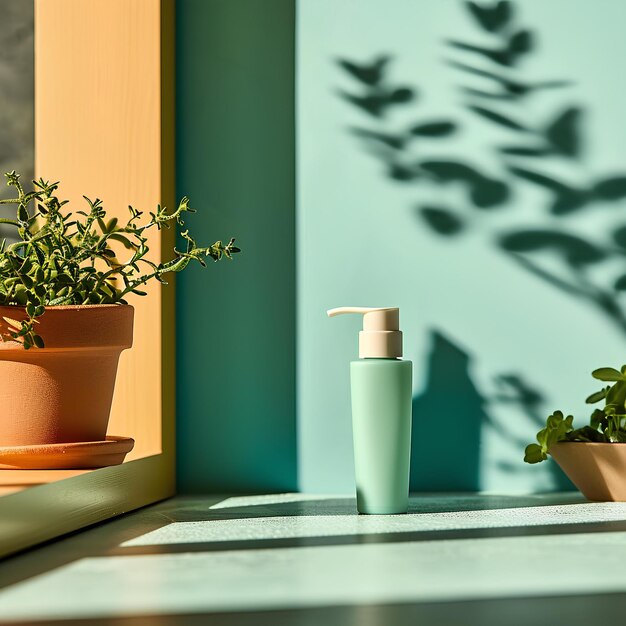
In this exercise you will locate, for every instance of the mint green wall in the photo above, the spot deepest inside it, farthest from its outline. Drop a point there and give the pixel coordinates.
(502, 327)
(236, 321)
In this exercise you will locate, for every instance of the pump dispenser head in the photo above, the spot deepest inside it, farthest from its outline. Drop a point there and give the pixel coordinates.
(381, 337)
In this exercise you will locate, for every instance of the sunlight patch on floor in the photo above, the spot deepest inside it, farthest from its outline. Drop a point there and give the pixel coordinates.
(311, 525)
(249, 580)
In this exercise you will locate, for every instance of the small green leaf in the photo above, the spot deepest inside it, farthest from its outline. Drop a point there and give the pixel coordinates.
(607, 374)
(617, 395)
(598, 419)
(597, 396)
(557, 429)
(534, 454)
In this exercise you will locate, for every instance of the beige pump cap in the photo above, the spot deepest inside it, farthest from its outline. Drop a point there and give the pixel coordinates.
(381, 337)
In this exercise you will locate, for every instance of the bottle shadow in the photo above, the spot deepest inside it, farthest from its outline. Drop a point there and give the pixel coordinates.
(451, 403)
(450, 415)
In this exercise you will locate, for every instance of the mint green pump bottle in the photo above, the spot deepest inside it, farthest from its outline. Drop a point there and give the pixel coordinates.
(381, 413)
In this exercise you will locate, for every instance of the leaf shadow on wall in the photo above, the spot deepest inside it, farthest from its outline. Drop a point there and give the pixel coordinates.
(544, 155)
(528, 150)
(453, 403)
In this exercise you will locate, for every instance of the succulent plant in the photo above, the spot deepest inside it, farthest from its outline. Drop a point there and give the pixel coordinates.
(62, 258)
(606, 425)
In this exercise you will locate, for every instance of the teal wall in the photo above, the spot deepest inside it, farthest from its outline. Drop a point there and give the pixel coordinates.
(495, 233)
(236, 321)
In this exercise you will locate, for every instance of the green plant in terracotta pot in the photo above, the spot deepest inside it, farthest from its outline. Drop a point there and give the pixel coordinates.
(64, 316)
(591, 456)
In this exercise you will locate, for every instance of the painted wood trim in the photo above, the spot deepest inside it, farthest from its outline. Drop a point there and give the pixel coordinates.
(104, 126)
(37, 514)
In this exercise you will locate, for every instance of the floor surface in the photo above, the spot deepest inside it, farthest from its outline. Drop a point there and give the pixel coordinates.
(304, 560)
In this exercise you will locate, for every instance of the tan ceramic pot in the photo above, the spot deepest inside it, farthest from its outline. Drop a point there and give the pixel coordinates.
(62, 393)
(597, 469)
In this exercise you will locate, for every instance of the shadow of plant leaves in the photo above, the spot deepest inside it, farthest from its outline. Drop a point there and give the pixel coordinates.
(434, 129)
(558, 138)
(491, 18)
(402, 173)
(613, 188)
(521, 42)
(376, 103)
(619, 237)
(500, 56)
(538, 179)
(484, 192)
(514, 88)
(570, 200)
(488, 193)
(575, 250)
(620, 283)
(525, 151)
(396, 142)
(496, 117)
(472, 91)
(441, 220)
(563, 134)
(368, 73)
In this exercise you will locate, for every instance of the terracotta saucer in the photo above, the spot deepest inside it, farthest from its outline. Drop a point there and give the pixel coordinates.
(80, 455)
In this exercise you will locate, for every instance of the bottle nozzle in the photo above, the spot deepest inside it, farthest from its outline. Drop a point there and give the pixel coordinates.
(381, 336)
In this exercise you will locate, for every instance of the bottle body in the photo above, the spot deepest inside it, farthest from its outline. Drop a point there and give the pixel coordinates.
(381, 423)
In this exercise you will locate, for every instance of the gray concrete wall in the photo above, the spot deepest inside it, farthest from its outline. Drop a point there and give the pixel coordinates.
(17, 136)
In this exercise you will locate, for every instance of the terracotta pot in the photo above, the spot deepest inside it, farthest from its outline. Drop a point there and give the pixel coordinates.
(597, 469)
(62, 393)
